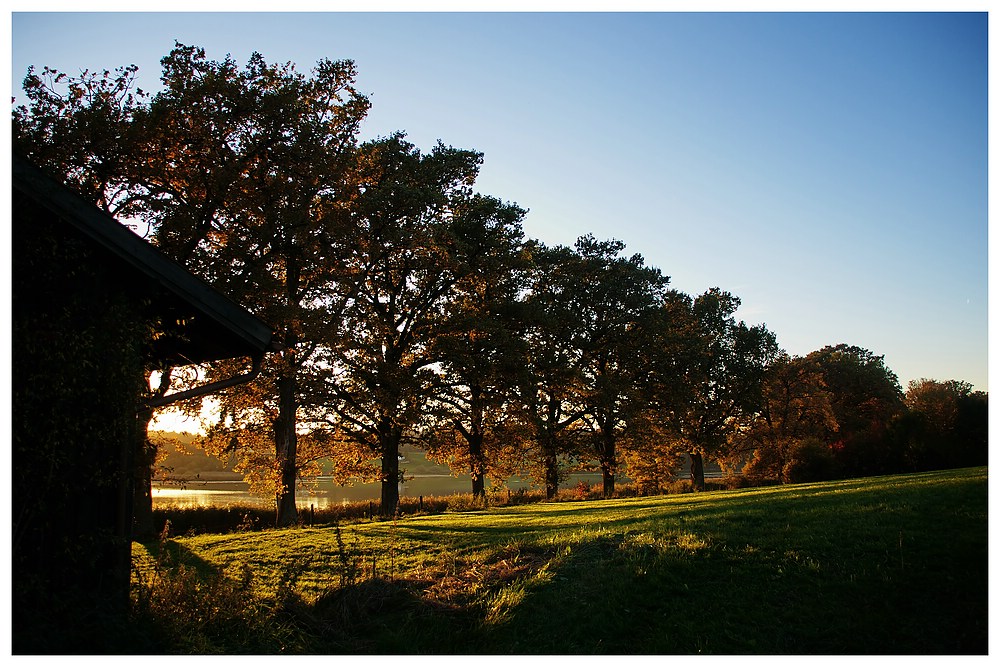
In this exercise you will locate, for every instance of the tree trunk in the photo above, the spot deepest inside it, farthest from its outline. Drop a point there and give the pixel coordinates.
(475, 441)
(390, 470)
(548, 441)
(479, 485)
(285, 445)
(697, 471)
(145, 460)
(477, 468)
(608, 473)
(285, 430)
(551, 474)
(608, 460)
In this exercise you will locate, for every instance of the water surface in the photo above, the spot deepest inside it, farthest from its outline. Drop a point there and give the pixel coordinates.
(324, 492)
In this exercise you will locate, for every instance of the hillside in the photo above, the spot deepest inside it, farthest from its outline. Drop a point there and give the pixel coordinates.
(181, 459)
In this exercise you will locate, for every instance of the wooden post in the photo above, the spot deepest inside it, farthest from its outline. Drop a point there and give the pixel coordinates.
(312, 515)
(420, 504)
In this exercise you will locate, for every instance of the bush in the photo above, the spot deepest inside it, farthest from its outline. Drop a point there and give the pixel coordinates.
(678, 486)
(766, 463)
(731, 482)
(194, 520)
(628, 490)
(810, 461)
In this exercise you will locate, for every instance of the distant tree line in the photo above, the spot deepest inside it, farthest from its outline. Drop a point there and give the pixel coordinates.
(414, 310)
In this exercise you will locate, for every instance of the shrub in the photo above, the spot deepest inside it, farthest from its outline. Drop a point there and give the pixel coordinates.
(678, 486)
(465, 502)
(809, 461)
(627, 490)
(189, 521)
(731, 482)
(765, 463)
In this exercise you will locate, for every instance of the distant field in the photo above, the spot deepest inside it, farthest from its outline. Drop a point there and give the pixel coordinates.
(881, 565)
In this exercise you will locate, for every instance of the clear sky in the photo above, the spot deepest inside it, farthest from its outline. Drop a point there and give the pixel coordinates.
(829, 169)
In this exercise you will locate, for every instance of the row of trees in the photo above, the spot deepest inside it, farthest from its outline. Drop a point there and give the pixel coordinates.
(839, 412)
(414, 310)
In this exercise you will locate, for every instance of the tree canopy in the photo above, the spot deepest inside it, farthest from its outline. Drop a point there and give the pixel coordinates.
(865, 398)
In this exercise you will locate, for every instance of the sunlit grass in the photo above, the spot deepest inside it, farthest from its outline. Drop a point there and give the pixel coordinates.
(883, 565)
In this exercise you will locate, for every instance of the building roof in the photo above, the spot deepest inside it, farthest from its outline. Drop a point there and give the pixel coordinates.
(199, 323)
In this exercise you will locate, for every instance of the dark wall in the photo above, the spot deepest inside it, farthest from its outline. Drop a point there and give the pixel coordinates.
(77, 368)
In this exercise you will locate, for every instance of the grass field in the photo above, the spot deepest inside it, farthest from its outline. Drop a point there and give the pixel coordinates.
(892, 565)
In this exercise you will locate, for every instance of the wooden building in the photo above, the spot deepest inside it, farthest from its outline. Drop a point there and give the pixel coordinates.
(93, 307)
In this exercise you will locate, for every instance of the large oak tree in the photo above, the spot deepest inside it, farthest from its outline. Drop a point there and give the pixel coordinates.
(240, 173)
(720, 363)
(551, 396)
(616, 300)
(265, 151)
(473, 428)
(421, 236)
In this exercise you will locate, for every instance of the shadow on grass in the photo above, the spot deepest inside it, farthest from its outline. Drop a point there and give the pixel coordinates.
(168, 554)
(380, 616)
(677, 594)
(851, 570)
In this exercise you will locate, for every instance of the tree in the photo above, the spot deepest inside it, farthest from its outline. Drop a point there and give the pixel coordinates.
(945, 425)
(241, 175)
(972, 429)
(84, 132)
(417, 222)
(795, 407)
(551, 397)
(665, 350)
(145, 460)
(648, 452)
(473, 428)
(615, 299)
(81, 131)
(865, 397)
(722, 363)
(268, 152)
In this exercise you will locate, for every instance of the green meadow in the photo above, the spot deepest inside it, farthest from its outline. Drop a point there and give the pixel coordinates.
(886, 565)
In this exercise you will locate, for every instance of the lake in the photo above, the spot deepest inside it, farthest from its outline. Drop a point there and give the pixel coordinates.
(324, 492)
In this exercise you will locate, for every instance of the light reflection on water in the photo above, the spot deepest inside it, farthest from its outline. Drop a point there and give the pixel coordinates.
(323, 493)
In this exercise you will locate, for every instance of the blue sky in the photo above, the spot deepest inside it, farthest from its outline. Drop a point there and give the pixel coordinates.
(829, 169)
